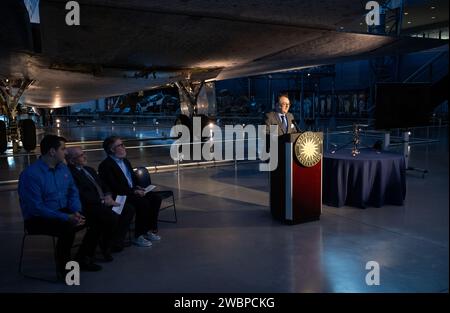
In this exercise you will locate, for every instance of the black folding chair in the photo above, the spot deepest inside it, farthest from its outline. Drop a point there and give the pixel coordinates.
(144, 180)
(58, 275)
(21, 271)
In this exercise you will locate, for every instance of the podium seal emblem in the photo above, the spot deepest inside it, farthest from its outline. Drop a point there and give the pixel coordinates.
(308, 149)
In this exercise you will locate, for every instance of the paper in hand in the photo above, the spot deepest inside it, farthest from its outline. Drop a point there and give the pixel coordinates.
(149, 188)
(121, 200)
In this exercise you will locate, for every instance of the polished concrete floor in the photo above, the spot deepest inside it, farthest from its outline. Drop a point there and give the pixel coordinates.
(226, 240)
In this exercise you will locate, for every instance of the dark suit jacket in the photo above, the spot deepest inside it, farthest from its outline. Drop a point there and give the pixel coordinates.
(113, 176)
(272, 118)
(88, 192)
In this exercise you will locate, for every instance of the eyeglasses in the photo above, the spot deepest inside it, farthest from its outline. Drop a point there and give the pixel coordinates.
(119, 145)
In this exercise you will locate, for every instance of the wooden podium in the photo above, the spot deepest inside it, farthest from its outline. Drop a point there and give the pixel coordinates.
(296, 189)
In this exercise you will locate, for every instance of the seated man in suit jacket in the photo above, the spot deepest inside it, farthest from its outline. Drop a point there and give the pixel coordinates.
(116, 171)
(282, 118)
(96, 200)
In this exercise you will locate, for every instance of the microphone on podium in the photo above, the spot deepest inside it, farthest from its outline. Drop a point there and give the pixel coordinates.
(296, 125)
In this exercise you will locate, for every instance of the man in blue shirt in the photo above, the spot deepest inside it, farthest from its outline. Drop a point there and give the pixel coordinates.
(49, 198)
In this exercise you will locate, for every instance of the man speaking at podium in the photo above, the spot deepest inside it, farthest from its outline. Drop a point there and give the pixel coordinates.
(295, 185)
(282, 118)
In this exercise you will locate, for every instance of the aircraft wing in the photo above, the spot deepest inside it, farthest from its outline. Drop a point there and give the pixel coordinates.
(126, 46)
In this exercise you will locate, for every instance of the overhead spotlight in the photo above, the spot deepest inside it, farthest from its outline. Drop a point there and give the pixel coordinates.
(433, 7)
(309, 74)
(7, 80)
(433, 17)
(406, 13)
(409, 22)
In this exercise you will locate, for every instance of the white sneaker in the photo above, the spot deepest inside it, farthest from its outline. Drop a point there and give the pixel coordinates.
(142, 242)
(152, 236)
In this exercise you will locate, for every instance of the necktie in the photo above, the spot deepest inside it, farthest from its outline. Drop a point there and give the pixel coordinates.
(285, 125)
(89, 176)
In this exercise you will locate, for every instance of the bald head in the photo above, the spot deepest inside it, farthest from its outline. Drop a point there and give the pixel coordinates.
(75, 156)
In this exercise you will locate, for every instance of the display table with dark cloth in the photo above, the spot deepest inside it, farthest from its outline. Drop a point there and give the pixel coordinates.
(369, 179)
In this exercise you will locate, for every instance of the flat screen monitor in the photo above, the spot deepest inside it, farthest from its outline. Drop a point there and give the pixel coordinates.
(402, 105)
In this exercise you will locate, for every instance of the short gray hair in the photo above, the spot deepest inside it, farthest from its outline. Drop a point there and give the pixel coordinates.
(71, 153)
